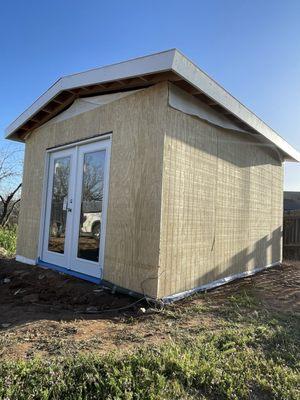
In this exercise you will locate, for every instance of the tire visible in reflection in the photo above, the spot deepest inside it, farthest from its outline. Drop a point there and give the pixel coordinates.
(96, 230)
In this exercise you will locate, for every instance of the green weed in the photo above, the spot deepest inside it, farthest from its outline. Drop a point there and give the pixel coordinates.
(8, 238)
(230, 364)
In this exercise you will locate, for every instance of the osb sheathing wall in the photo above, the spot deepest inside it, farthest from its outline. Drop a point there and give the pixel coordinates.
(189, 202)
(137, 123)
(221, 204)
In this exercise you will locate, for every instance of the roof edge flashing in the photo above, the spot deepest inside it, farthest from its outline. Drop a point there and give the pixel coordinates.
(172, 60)
(157, 62)
(189, 71)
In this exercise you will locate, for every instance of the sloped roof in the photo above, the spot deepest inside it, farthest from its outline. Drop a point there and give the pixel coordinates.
(141, 72)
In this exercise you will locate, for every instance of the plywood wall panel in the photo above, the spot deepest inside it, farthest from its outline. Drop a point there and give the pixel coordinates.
(133, 221)
(189, 202)
(222, 204)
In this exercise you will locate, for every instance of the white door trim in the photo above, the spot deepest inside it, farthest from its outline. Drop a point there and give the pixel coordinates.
(107, 138)
(78, 264)
(95, 138)
(60, 259)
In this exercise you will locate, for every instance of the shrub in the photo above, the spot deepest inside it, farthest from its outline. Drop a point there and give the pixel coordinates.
(8, 238)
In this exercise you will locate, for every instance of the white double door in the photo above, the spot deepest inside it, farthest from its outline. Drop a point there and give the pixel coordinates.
(75, 208)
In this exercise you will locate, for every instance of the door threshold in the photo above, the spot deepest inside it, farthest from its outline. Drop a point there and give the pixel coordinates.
(67, 271)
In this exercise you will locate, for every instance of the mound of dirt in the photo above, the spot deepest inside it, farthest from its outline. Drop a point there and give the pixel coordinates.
(45, 313)
(28, 293)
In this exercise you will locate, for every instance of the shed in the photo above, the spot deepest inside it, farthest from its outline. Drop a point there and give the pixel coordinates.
(148, 176)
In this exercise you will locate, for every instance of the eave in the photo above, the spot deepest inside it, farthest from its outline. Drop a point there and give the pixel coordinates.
(142, 72)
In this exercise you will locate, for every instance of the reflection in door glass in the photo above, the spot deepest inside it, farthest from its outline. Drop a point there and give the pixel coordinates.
(91, 206)
(59, 203)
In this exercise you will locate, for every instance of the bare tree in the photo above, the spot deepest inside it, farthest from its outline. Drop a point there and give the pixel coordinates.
(8, 205)
(10, 185)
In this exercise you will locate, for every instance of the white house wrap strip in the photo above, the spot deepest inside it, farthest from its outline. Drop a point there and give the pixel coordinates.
(183, 101)
(85, 104)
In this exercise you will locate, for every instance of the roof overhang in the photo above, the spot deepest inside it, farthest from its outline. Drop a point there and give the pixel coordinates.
(141, 72)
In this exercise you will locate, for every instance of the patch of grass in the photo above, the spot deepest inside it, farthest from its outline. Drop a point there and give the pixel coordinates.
(236, 348)
(66, 347)
(243, 299)
(234, 363)
(133, 337)
(8, 238)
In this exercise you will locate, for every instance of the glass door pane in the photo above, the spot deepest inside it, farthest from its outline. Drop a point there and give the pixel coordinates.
(59, 205)
(91, 206)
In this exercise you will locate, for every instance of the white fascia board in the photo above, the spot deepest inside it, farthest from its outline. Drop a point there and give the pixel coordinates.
(56, 88)
(170, 60)
(154, 63)
(200, 80)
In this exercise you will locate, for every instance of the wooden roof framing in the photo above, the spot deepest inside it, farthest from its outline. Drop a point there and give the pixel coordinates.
(65, 98)
(142, 72)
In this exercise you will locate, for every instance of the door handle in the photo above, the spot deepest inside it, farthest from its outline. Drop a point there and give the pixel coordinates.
(68, 208)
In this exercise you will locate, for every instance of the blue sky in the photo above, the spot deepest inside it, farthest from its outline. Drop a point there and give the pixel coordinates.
(251, 47)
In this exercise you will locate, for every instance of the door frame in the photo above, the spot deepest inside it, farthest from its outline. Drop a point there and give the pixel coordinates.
(55, 258)
(104, 137)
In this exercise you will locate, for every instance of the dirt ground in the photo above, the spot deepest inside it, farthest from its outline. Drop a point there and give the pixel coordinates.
(45, 313)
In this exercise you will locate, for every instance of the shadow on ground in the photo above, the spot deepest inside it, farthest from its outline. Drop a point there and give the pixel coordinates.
(44, 313)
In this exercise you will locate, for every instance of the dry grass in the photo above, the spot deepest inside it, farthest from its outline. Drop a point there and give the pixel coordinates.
(237, 342)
